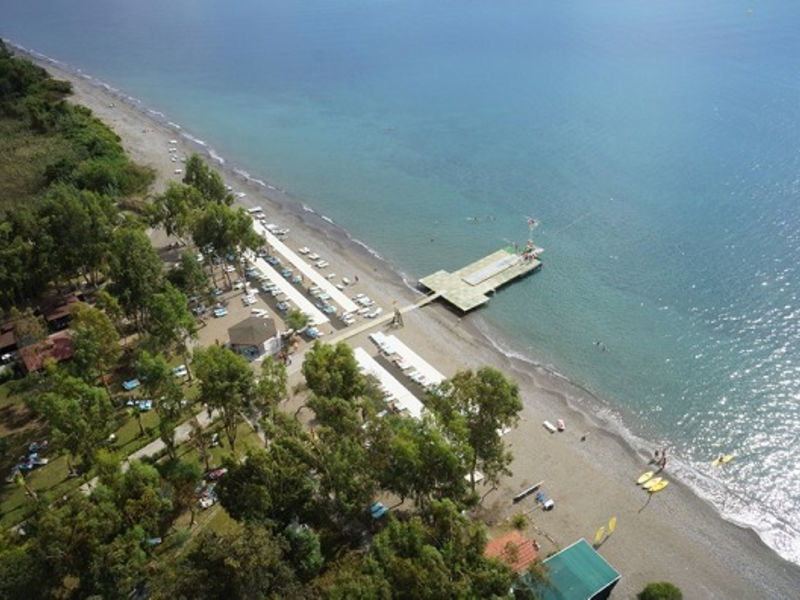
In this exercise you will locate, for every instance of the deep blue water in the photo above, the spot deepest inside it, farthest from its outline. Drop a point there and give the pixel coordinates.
(658, 144)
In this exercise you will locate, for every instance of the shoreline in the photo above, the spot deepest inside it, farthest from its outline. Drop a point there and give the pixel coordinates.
(575, 473)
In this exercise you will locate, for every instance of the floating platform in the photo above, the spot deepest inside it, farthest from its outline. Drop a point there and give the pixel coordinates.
(470, 286)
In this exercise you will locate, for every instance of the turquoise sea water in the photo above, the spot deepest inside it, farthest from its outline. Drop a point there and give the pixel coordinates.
(658, 144)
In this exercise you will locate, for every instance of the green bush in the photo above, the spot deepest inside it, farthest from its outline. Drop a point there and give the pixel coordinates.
(662, 590)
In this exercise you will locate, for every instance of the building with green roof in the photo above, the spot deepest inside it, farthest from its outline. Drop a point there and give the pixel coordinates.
(577, 572)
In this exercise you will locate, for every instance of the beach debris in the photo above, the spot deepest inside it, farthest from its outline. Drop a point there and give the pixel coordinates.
(549, 426)
(560, 425)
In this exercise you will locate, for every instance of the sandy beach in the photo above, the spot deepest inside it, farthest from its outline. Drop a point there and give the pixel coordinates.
(672, 536)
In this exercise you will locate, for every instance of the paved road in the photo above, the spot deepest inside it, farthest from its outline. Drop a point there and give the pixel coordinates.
(182, 433)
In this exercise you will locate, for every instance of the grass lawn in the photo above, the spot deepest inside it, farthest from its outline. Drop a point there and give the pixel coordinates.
(26, 155)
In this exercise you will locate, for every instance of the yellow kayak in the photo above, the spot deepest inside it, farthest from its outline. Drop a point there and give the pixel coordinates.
(722, 460)
(651, 483)
(644, 477)
(659, 486)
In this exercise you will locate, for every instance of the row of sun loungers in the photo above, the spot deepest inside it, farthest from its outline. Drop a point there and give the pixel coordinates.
(414, 366)
(395, 391)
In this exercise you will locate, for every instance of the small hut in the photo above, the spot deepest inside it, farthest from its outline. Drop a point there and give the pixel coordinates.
(255, 337)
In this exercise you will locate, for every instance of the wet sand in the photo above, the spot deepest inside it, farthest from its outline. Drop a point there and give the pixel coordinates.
(672, 536)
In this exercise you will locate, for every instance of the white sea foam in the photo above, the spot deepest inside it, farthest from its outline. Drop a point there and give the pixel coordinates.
(215, 156)
(366, 247)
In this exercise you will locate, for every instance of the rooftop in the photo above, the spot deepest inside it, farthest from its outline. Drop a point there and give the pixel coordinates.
(578, 572)
(253, 331)
(58, 347)
(514, 549)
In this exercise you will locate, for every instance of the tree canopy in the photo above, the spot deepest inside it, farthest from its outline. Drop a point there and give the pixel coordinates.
(227, 384)
(475, 407)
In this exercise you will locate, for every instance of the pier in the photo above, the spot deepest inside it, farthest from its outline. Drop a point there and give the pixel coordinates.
(470, 286)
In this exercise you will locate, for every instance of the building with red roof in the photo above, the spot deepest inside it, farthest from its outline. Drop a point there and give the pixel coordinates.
(514, 549)
(57, 347)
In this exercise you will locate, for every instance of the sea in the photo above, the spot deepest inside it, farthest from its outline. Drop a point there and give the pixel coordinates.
(656, 143)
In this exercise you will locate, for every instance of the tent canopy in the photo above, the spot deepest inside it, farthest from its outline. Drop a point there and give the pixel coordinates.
(578, 572)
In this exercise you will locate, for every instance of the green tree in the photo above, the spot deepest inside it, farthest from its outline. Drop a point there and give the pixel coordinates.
(96, 342)
(183, 477)
(474, 407)
(225, 231)
(296, 320)
(346, 475)
(174, 209)
(170, 321)
(141, 498)
(21, 575)
(111, 307)
(240, 564)
(206, 181)
(332, 371)
(80, 415)
(199, 440)
(189, 275)
(271, 385)
(29, 328)
(305, 551)
(348, 579)
(662, 590)
(414, 458)
(274, 487)
(438, 554)
(136, 271)
(227, 385)
(159, 383)
(83, 548)
(80, 224)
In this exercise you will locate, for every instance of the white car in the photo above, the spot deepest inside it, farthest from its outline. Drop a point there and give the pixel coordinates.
(313, 256)
(322, 264)
(248, 300)
(303, 250)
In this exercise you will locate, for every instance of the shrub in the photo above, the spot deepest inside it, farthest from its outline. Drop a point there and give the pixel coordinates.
(662, 590)
(519, 521)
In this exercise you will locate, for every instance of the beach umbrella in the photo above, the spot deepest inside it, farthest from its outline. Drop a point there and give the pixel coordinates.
(612, 525)
(599, 535)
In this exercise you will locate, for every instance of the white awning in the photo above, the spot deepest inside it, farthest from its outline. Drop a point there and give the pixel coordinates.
(396, 391)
